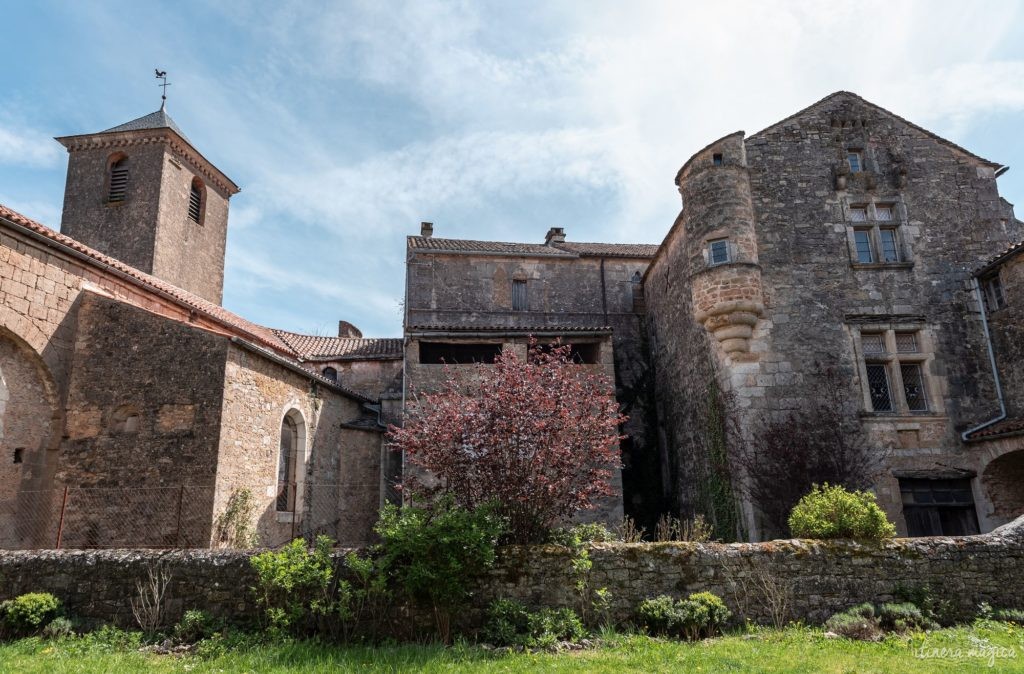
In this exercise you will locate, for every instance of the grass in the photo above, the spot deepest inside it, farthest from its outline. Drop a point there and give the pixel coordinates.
(795, 649)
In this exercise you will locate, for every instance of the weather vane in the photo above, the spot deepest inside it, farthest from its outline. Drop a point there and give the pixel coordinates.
(162, 75)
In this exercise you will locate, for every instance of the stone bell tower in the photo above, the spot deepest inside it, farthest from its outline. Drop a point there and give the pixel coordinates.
(141, 193)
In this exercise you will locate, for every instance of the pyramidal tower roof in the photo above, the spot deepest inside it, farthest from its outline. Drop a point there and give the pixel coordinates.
(154, 120)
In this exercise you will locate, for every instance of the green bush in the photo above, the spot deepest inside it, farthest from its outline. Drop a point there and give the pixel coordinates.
(903, 617)
(510, 623)
(856, 624)
(702, 614)
(29, 613)
(435, 553)
(581, 534)
(196, 625)
(59, 628)
(1009, 615)
(834, 512)
(297, 587)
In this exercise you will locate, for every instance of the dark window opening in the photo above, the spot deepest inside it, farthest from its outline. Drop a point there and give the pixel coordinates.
(584, 353)
(286, 466)
(436, 353)
(995, 298)
(19, 455)
(331, 373)
(195, 202)
(118, 190)
(941, 507)
(519, 296)
(716, 159)
(878, 386)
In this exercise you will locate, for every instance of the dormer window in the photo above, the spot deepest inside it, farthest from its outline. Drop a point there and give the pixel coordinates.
(718, 252)
(856, 161)
(117, 178)
(331, 373)
(195, 201)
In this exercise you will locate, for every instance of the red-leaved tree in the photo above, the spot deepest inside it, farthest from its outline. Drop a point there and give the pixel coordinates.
(538, 439)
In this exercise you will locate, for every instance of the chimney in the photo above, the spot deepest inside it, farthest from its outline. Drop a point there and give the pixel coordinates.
(554, 235)
(427, 229)
(346, 329)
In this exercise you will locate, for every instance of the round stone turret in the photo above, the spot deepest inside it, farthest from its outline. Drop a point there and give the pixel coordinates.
(721, 245)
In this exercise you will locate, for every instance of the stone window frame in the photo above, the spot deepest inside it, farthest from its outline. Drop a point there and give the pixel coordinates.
(859, 154)
(893, 358)
(300, 458)
(873, 226)
(710, 241)
(993, 292)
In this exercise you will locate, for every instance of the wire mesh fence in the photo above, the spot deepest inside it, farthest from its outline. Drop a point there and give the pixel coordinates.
(188, 516)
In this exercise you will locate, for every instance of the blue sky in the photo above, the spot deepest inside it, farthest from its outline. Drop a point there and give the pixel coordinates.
(346, 124)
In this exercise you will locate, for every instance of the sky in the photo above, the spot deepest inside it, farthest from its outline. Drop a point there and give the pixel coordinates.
(347, 124)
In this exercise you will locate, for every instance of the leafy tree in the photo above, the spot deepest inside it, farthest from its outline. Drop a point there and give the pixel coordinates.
(539, 439)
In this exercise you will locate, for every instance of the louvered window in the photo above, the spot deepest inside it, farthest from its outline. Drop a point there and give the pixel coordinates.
(195, 203)
(118, 181)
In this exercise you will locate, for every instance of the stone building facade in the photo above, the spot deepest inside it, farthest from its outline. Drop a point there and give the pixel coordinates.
(133, 405)
(842, 239)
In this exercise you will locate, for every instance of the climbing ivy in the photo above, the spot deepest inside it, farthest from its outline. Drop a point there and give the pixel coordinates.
(716, 493)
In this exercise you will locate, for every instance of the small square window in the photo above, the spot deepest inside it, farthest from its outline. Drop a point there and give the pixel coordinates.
(883, 212)
(906, 342)
(716, 159)
(873, 342)
(718, 251)
(862, 237)
(855, 160)
(858, 214)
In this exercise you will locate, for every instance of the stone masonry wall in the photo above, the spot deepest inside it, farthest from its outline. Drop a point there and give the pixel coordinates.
(1007, 329)
(823, 577)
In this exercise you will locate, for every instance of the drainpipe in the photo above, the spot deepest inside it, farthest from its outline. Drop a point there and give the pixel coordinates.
(992, 361)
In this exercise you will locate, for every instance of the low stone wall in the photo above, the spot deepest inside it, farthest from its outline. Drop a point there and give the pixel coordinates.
(820, 577)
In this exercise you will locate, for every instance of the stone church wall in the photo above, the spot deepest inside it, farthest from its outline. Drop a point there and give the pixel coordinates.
(339, 482)
(820, 577)
(143, 421)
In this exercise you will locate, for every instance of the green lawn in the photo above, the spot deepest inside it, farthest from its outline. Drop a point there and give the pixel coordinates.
(791, 650)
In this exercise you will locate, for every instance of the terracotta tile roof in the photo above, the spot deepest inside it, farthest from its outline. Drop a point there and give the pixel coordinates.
(610, 249)
(563, 249)
(430, 243)
(1010, 251)
(850, 94)
(314, 347)
(1013, 426)
(528, 329)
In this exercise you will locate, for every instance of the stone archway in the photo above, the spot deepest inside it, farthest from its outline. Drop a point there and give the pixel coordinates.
(27, 423)
(1003, 483)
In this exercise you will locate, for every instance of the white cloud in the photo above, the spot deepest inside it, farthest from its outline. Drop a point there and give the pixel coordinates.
(23, 146)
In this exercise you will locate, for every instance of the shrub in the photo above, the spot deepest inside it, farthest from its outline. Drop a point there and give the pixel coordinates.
(1009, 615)
(510, 623)
(473, 443)
(296, 586)
(581, 534)
(855, 625)
(903, 617)
(702, 614)
(233, 527)
(196, 625)
(435, 553)
(59, 628)
(833, 512)
(29, 613)
(933, 604)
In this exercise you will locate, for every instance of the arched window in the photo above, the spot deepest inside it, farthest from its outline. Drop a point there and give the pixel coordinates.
(196, 201)
(117, 177)
(287, 465)
(331, 373)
